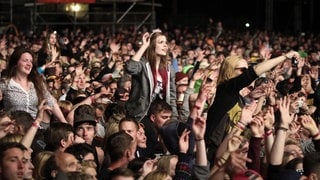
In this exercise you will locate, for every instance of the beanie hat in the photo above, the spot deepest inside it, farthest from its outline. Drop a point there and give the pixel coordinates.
(180, 76)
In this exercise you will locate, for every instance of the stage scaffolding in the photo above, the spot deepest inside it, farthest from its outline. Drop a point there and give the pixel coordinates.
(102, 13)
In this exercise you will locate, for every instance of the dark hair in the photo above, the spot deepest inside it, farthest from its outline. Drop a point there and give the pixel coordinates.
(78, 176)
(56, 132)
(292, 164)
(117, 144)
(260, 81)
(22, 118)
(311, 163)
(34, 76)
(49, 166)
(158, 106)
(136, 164)
(9, 145)
(80, 150)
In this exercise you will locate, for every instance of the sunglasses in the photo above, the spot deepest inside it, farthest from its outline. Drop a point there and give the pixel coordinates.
(242, 69)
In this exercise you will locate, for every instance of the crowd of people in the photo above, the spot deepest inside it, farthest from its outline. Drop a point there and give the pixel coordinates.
(170, 103)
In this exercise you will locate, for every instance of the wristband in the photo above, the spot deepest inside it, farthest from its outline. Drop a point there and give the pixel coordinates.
(199, 139)
(283, 129)
(268, 133)
(221, 161)
(92, 99)
(316, 135)
(244, 125)
(241, 125)
(36, 124)
(196, 106)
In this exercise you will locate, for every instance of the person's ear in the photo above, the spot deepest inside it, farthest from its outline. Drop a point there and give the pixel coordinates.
(313, 176)
(18, 129)
(63, 143)
(54, 173)
(152, 117)
(128, 153)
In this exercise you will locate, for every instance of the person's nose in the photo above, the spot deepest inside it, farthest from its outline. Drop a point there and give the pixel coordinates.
(31, 166)
(85, 132)
(21, 164)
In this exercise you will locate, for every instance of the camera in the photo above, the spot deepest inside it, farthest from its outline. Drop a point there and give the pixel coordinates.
(294, 61)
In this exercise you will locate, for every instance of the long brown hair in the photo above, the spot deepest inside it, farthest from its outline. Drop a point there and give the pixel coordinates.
(46, 44)
(151, 56)
(34, 76)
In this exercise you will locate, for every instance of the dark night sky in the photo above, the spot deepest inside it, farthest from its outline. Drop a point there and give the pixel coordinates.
(235, 14)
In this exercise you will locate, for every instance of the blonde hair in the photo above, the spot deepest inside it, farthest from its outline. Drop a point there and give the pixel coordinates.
(39, 161)
(163, 163)
(11, 138)
(65, 106)
(157, 175)
(227, 68)
(111, 128)
(286, 156)
(88, 164)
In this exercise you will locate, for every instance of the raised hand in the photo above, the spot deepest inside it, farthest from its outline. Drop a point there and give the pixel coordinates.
(54, 53)
(41, 108)
(184, 141)
(247, 112)
(308, 123)
(257, 126)
(284, 108)
(146, 39)
(237, 162)
(148, 166)
(294, 128)
(114, 47)
(204, 91)
(199, 74)
(269, 118)
(199, 127)
(234, 143)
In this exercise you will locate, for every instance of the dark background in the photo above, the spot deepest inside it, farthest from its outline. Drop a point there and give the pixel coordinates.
(287, 15)
(235, 13)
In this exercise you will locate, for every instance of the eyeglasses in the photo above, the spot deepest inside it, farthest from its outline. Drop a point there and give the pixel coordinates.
(242, 69)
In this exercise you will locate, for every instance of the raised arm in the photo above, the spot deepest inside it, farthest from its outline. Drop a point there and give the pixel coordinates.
(281, 134)
(145, 44)
(29, 136)
(269, 64)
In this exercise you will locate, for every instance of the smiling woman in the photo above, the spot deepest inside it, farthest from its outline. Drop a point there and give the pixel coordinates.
(24, 89)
